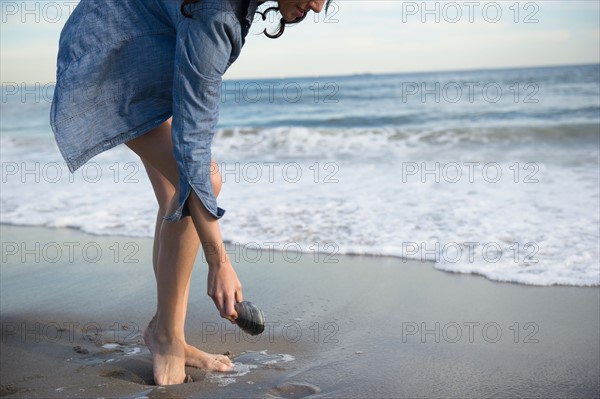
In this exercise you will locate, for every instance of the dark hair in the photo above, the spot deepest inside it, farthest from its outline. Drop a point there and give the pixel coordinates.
(282, 22)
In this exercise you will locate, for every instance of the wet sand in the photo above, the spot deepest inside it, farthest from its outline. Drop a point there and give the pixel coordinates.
(73, 307)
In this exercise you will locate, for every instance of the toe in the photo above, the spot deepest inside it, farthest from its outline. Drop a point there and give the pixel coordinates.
(225, 367)
(222, 366)
(225, 360)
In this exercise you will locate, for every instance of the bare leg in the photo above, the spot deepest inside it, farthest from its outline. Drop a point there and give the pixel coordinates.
(164, 191)
(174, 252)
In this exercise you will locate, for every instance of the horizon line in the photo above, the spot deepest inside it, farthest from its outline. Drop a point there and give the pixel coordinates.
(378, 73)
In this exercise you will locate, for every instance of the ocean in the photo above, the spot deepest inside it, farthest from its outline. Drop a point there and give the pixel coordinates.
(493, 172)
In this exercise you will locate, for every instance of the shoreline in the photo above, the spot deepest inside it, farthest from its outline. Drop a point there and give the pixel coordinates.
(248, 247)
(72, 328)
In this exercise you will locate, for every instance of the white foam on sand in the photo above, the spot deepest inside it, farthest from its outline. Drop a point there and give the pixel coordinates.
(133, 351)
(245, 363)
(224, 379)
(287, 358)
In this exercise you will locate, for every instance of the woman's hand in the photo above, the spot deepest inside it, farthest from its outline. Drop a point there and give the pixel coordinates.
(225, 289)
(223, 285)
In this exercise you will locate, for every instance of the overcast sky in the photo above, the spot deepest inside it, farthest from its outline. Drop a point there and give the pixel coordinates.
(358, 36)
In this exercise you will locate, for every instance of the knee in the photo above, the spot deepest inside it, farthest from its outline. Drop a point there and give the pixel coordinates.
(215, 176)
(166, 198)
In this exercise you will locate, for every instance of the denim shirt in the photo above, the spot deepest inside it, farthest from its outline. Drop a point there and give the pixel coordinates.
(126, 66)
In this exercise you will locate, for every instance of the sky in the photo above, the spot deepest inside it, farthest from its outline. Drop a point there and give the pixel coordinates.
(357, 36)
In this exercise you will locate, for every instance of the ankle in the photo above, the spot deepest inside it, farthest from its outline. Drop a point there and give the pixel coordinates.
(165, 333)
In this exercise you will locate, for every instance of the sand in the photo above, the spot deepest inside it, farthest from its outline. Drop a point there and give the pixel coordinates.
(73, 307)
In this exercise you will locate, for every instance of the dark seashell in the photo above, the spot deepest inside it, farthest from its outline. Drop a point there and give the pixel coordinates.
(250, 318)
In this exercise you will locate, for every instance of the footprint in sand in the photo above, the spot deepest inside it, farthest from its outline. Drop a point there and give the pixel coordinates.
(295, 390)
(127, 362)
(8, 389)
(125, 375)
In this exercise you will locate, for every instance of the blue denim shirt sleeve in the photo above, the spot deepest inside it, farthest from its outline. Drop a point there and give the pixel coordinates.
(207, 44)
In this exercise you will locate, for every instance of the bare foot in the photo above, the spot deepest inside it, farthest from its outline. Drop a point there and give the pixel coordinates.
(168, 357)
(194, 357)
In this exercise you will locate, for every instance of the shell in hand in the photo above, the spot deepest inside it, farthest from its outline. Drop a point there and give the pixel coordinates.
(250, 318)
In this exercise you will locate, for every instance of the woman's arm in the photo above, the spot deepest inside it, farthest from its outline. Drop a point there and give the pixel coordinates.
(206, 45)
(223, 285)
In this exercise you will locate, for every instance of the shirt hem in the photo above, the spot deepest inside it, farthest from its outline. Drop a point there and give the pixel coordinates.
(76, 163)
